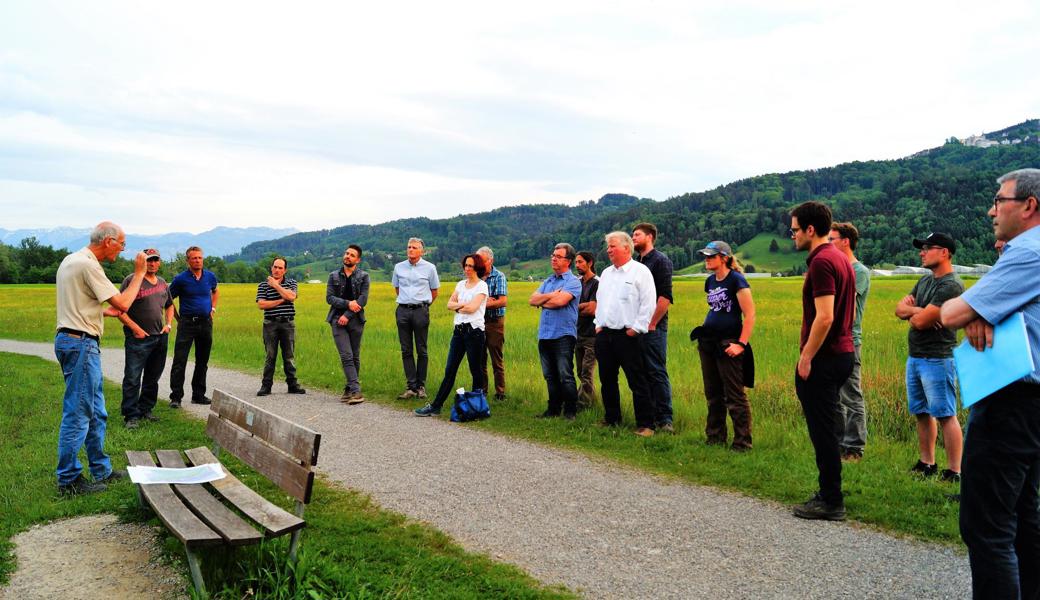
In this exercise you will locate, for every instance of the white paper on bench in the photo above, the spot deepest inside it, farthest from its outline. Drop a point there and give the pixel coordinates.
(199, 474)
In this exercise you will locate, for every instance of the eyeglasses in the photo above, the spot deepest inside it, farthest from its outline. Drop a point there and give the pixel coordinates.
(561, 257)
(794, 230)
(122, 244)
(998, 199)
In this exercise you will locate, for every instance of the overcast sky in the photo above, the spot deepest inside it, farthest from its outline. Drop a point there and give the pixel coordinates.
(188, 115)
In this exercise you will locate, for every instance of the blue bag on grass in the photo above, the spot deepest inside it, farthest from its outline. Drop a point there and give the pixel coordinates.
(470, 406)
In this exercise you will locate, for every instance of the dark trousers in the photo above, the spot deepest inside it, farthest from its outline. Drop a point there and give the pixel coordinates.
(724, 390)
(495, 339)
(468, 342)
(819, 398)
(348, 345)
(999, 520)
(557, 357)
(585, 359)
(615, 350)
(197, 331)
(413, 326)
(655, 356)
(279, 335)
(144, 364)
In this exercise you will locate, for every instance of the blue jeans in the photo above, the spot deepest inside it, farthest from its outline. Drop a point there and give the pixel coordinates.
(1000, 510)
(931, 386)
(557, 356)
(467, 342)
(83, 418)
(145, 361)
(655, 356)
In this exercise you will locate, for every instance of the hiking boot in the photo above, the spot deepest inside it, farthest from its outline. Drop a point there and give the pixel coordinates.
(203, 400)
(265, 390)
(114, 475)
(133, 423)
(353, 398)
(950, 476)
(644, 432)
(346, 394)
(665, 428)
(421, 392)
(148, 416)
(296, 389)
(175, 404)
(81, 486)
(817, 509)
(427, 411)
(852, 456)
(407, 394)
(924, 470)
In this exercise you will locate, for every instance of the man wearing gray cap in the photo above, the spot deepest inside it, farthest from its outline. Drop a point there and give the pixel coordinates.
(931, 378)
(146, 335)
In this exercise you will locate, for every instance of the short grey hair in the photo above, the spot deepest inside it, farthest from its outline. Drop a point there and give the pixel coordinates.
(486, 252)
(566, 248)
(104, 231)
(623, 237)
(414, 239)
(1027, 182)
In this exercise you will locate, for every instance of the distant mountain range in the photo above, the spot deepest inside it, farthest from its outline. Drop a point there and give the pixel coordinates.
(221, 241)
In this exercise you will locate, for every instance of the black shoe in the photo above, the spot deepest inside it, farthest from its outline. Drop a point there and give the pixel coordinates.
(265, 390)
(175, 404)
(81, 486)
(296, 389)
(501, 397)
(202, 400)
(114, 475)
(569, 416)
(148, 416)
(817, 509)
(133, 423)
(548, 414)
(950, 476)
(609, 424)
(924, 470)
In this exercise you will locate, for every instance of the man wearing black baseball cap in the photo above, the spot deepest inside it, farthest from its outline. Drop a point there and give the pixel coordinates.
(930, 373)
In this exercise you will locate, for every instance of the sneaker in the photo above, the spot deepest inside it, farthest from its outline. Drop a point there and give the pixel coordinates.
(950, 476)
(852, 456)
(427, 411)
(501, 397)
(175, 404)
(265, 390)
(665, 428)
(924, 470)
(114, 475)
(296, 389)
(81, 486)
(354, 398)
(817, 509)
(644, 432)
(148, 416)
(421, 392)
(202, 400)
(407, 394)
(133, 423)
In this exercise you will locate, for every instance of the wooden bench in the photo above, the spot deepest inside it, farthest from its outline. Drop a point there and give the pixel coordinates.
(281, 450)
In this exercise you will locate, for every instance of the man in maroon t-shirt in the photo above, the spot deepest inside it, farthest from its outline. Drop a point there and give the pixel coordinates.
(825, 362)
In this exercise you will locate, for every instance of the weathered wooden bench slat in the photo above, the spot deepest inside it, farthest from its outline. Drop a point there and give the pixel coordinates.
(273, 518)
(294, 478)
(295, 440)
(183, 523)
(230, 526)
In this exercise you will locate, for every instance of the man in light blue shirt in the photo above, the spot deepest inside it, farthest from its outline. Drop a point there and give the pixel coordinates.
(415, 283)
(1000, 511)
(557, 332)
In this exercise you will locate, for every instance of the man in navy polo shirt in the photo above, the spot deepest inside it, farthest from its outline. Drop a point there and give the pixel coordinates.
(197, 290)
(557, 332)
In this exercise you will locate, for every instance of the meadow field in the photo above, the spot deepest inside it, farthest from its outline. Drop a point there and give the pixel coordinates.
(879, 490)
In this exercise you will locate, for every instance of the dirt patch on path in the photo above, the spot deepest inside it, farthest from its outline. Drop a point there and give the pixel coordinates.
(90, 558)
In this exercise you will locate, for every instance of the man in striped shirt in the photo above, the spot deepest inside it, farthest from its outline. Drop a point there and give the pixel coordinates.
(275, 297)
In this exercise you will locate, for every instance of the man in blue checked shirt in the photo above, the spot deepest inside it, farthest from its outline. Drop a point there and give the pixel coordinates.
(495, 323)
(1000, 511)
(557, 332)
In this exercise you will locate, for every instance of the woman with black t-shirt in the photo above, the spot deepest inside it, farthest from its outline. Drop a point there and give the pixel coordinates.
(723, 346)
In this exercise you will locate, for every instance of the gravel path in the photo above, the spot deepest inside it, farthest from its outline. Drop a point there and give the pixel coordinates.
(603, 530)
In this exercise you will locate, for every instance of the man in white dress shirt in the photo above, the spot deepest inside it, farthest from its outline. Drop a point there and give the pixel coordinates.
(625, 303)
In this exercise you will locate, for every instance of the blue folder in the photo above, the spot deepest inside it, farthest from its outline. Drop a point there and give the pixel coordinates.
(1007, 361)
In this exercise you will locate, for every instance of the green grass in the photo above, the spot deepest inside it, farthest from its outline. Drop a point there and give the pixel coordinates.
(350, 547)
(756, 251)
(781, 467)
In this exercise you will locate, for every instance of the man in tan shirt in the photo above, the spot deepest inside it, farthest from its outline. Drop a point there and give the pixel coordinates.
(82, 288)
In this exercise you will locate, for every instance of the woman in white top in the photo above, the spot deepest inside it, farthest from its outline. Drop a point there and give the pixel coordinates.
(468, 301)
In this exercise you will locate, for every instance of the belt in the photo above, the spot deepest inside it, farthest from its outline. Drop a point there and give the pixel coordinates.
(413, 306)
(278, 319)
(194, 318)
(78, 334)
